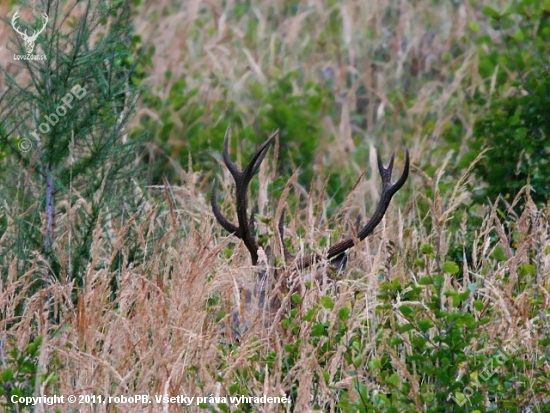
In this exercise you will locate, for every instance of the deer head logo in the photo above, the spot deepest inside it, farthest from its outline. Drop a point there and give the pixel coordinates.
(29, 40)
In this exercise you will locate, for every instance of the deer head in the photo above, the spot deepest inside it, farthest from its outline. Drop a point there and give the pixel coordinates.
(245, 228)
(29, 40)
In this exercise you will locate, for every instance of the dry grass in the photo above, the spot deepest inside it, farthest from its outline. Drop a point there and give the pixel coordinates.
(159, 333)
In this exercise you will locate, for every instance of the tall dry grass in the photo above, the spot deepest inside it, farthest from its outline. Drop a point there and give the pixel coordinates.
(159, 333)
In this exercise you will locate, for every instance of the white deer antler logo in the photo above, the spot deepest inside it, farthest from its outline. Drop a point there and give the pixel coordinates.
(29, 40)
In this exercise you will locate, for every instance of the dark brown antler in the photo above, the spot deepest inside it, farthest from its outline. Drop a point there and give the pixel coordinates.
(388, 191)
(245, 230)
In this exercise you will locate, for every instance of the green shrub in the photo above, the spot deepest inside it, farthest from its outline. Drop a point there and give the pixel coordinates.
(517, 132)
(189, 125)
(20, 371)
(514, 125)
(68, 135)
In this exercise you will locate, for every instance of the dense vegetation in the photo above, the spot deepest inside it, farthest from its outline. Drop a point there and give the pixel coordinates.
(116, 280)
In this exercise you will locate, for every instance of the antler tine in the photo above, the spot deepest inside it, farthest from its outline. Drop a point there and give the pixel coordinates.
(258, 158)
(226, 159)
(388, 191)
(228, 226)
(245, 229)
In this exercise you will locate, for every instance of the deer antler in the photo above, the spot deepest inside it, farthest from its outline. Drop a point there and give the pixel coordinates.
(245, 229)
(46, 18)
(388, 191)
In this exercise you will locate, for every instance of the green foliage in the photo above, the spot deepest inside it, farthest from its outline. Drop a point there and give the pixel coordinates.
(68, 135)
(430, 339)
(434, 351)
(517, 132)
(515, 124)
(431, 349)
(190, 125)
(20, 372)
(297, 113)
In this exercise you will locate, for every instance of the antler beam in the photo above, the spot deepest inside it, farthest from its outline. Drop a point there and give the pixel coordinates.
(245, 229)
(388, 191)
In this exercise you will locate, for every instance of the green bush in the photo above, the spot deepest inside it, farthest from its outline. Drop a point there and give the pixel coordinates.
(19, 373)
(69, 136)
(514, 126)
(189, 125)
(517, 133)
(433, 352)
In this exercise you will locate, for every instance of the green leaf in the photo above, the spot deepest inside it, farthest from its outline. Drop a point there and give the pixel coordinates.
(518, 35)
(32, 348)
(527, 269)
(7, 375)
(514, 120)
(404, 328)
(296, 298)
(394, 379)
(426, 281)
(450, 267)
(318, 330)
(343, 313)
(310, 314)
(327, 302)
(521, 133)
(460, 398)
(234, 388)
(498, 254)
(425, 324)
(438, 281)
(375, 363)
(407, 311)
(490, 12)
(427, 249)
